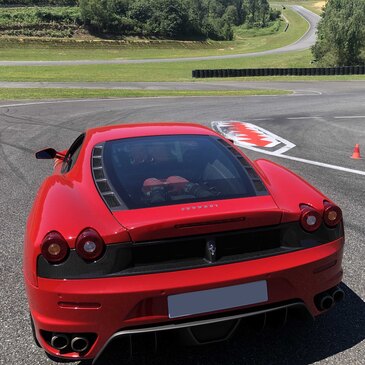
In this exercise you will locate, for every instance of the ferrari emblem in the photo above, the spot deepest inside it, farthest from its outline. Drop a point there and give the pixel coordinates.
(211, 250)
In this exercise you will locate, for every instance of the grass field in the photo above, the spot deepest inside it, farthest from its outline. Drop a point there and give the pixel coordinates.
(175, 71)
(246, 41)
(14, 94)
(313, 5)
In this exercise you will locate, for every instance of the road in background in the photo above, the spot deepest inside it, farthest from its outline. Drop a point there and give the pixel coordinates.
(299, 87)
(305, 42)
(324, 125)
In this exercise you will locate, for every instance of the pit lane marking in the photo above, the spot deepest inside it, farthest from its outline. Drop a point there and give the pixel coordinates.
(239, 132)
(252, 137)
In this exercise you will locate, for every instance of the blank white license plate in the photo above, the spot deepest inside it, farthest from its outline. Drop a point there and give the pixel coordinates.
(186, 304)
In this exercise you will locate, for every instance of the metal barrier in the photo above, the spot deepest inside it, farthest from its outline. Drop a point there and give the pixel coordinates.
(301, 71)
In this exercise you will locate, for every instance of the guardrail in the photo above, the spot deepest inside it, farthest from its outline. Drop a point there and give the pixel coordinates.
(309, 71)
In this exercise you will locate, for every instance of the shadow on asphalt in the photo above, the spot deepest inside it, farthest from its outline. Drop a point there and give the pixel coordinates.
(297, 343)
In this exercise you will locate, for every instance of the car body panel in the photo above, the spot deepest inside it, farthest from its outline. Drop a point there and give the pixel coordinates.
(199, 218)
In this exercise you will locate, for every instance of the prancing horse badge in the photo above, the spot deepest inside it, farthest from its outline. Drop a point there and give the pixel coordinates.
(211, 250)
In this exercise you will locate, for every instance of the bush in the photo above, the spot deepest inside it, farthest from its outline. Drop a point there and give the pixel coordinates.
(39, 2)
(341, 34)
(40, 22)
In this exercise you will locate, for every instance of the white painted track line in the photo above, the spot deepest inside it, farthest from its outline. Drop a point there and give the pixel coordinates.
(351, 117)
(316, 163)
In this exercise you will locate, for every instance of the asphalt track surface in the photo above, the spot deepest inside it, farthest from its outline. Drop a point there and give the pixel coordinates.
(324, 121)
(304, 42)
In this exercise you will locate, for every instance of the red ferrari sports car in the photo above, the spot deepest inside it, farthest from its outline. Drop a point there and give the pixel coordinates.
(169, 228)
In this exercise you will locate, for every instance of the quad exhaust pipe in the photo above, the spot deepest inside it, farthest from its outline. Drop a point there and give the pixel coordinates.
(79, 343)
(327, 299)
(337, 294)
(59, 341)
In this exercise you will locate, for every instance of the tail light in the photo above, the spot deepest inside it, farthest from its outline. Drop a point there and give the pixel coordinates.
(89, 245)
(54, 247)
(310, 219)
(332, 214)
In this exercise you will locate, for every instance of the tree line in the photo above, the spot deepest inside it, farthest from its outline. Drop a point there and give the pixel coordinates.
(341, 34)
(175, 19)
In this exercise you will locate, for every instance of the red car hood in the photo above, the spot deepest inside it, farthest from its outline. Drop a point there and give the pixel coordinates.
(199, 218)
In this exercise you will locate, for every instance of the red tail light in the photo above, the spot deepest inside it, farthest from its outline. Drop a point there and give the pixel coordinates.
(332, 214)
(89, 245)
(54, 247)
(310, 219)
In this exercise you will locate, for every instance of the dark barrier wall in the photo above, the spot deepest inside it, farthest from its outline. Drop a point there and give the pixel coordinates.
(310, 71)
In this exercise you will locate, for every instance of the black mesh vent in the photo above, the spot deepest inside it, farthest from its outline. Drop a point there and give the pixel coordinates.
(97, 151)
(103, 186)
(168, 251)
(111, 200)
(100, 179)
(247, 242)
(259, 186)
(97, 162)
(251, 173)
(99, 174)
(257, 183)
(243, 161)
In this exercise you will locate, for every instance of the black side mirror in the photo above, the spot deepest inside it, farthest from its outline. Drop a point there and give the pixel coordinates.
(46, 154)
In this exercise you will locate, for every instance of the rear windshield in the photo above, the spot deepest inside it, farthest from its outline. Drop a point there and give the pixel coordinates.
(163, 170)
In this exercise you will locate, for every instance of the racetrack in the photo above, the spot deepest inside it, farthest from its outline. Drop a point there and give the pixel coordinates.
(323, 119)
(303, 43)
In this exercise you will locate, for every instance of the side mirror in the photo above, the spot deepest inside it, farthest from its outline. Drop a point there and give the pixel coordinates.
(48, 154)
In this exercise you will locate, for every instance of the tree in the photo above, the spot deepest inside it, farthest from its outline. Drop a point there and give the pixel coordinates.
(175, 19)
(104, 16)
(264, 12)
(231, 15)
(341, 34)
(256, 12)
(160, 18)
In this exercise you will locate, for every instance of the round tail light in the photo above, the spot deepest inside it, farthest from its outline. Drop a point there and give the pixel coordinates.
(54, 248)
(332, 214)
(89, 245)
(310, 219)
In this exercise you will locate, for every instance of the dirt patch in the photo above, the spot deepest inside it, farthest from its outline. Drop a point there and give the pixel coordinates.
(320, 4)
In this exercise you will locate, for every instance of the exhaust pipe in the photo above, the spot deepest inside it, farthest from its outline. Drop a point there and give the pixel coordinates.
(337, 294)
(59, 341)
(324, 301)
(79, 344)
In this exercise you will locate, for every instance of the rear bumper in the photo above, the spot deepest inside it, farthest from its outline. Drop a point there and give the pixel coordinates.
(110, 305)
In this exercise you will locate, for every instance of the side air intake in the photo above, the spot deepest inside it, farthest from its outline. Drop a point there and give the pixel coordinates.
(257, 183)
(101, 181)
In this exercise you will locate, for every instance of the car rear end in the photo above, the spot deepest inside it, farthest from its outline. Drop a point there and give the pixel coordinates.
(208, 241)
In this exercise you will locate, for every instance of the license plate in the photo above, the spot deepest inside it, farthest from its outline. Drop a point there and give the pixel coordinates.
(204, 301)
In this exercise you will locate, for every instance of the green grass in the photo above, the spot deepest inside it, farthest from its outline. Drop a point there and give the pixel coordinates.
(175, 71)
(246, 41)
(47, 93)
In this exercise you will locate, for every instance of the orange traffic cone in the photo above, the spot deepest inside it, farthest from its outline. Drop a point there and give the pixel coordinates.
(356, 153)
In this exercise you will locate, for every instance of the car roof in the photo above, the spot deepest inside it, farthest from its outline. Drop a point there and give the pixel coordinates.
(106, 133)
